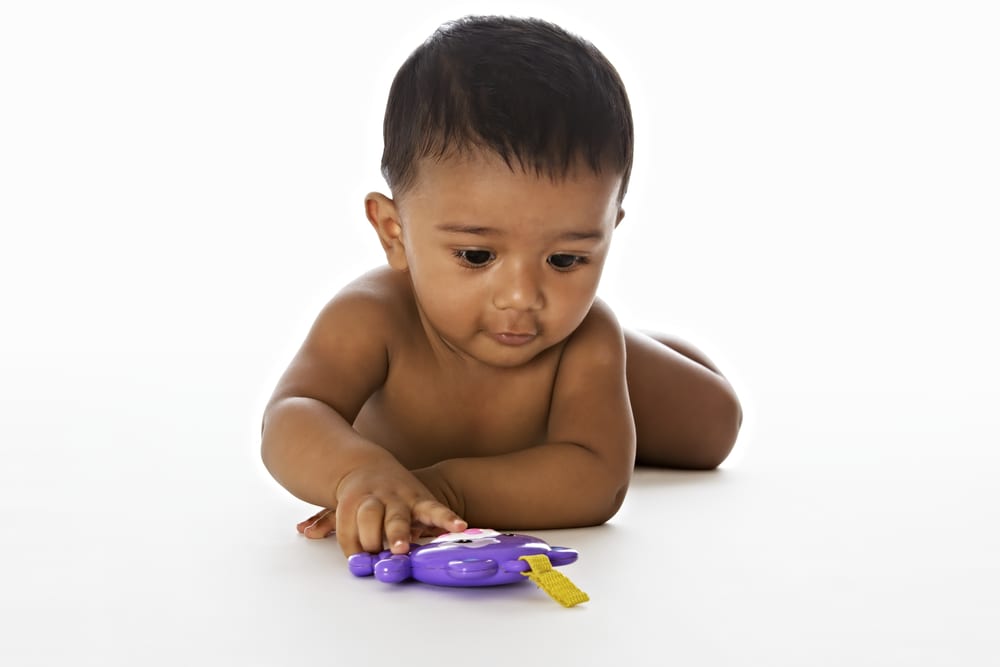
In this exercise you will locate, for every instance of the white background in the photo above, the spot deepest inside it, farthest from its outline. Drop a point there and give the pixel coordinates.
(814, 203)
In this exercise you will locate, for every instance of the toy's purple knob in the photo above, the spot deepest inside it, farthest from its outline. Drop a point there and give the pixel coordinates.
(393, 569)
(563, 556)
(472, 569)
(362, 564)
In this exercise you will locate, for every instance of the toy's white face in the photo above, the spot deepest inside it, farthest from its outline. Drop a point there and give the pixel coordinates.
(473, 538)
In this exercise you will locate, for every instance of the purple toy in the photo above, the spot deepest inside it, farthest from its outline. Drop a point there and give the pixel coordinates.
(476, 557)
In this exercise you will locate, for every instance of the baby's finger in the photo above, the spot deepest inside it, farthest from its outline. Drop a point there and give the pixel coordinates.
(323, 524)
(347, 530)
(301, 525)
(397, 527)
(371, 523)
(433, 513)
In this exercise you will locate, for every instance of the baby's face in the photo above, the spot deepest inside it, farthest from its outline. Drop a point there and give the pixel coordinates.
(505, 264)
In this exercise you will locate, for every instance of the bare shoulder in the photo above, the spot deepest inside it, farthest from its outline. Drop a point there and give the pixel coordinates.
(598, 340)
(591, 368)
(344, 357)
(382, 295)
(367, 309)
(590, 404)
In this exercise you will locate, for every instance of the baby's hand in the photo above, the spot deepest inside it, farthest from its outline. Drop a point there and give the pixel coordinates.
(383, 502)
(323, 524)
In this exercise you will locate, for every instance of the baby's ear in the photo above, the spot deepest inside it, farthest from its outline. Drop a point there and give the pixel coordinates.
(384, 217)
(621, 216)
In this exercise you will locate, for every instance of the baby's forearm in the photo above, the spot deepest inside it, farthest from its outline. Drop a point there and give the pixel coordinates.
(555, 485)
(308, 447)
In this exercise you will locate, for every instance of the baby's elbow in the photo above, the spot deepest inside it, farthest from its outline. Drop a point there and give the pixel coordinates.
(616, 504)
(604, 506)
(721, 433)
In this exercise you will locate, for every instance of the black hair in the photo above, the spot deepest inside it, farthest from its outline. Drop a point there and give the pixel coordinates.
(524, 89)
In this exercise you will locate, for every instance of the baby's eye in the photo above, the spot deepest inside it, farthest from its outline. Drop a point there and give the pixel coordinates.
(475, 257)
(563, 261)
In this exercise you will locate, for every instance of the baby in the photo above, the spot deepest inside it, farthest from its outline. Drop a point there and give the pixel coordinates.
(477, 378)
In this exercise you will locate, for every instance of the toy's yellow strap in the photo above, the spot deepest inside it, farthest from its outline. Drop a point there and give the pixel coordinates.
(557, 585)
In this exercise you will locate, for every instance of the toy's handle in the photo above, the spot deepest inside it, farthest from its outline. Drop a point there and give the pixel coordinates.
(557, 585)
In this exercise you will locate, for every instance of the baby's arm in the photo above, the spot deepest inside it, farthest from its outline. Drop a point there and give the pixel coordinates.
(310, 447)
(579, 476)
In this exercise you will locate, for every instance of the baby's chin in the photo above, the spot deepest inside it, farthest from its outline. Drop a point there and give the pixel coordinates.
(492, 352)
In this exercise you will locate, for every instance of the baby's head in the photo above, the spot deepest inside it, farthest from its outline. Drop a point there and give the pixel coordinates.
(542, 100)
(508, 148)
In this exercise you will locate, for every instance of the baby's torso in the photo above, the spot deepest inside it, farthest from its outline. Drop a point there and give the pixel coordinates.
(427, 411)
(423, 421)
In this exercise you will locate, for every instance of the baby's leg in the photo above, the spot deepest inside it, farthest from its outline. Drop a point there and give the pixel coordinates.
(686, 414)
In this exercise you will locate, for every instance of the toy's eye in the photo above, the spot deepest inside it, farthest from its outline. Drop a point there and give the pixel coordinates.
(463, 541)
(507, 534)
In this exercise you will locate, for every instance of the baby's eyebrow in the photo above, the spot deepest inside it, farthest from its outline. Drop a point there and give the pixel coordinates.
(469, 229)
(587, 235)
(573, 235)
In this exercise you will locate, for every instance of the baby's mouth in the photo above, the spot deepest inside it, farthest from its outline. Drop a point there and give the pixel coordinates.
(514, 338)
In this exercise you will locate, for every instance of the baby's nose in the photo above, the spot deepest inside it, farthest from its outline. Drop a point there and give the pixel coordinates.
(518, 289)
